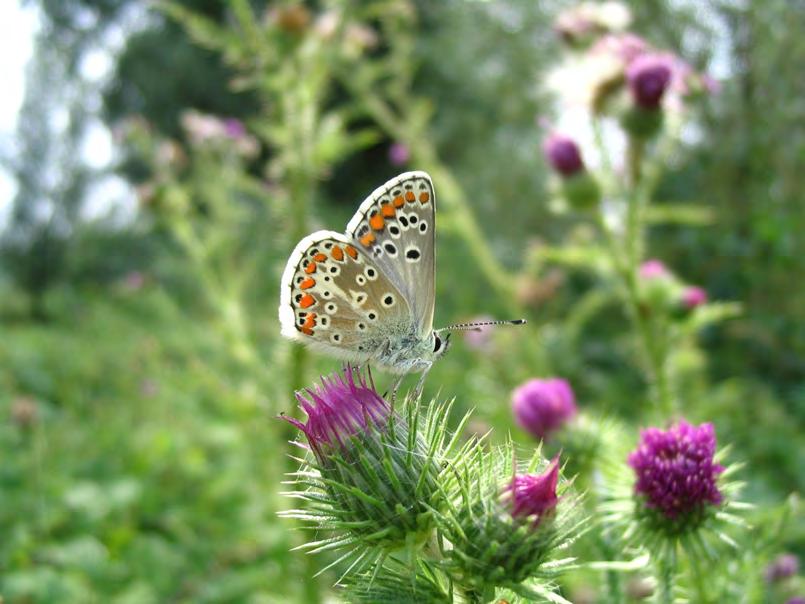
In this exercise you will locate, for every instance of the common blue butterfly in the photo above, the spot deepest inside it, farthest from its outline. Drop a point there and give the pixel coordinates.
(368, 296)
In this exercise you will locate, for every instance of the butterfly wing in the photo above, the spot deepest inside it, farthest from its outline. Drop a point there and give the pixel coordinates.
(335, 298)
(395, 227)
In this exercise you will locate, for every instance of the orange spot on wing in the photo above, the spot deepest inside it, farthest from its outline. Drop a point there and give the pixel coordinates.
(367, 239)
(306, 330)
(388, 210)
(320, 257)
(337, 253)
(307, 283)
(377, 222)
(310, 321)
(424, 197)
(398, 201)
(352, 252)
(310, 268)
(307, 301)
(409, 196)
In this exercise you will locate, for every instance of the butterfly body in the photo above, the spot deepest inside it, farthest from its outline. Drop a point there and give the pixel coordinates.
(367, 296)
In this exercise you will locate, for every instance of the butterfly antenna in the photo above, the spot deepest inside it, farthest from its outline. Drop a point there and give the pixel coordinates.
(476, 326)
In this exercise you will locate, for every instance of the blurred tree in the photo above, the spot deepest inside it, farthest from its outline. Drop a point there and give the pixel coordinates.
(51, 175)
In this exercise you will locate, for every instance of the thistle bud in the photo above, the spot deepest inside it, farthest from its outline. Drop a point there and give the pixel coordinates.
(693, 297)
(370, 475)
(503, 534)
(563, 154)
(653, 269)
(781, 568)
(649, 76)
(658, 287)
(534, 495)
(399, 154)
(676, 475)
(541, 407)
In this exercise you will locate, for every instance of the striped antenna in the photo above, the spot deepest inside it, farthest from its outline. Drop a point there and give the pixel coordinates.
(477, 326)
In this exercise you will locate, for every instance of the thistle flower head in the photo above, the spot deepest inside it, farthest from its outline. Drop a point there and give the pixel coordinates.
(653, 269)
(693, 296)
(675, 469)
(781, 568)
(541, 407)
(504, 532)
(399, 154)
(648, 77)
(338, 409)
(372, 477)
(534, 495)
(563, 154)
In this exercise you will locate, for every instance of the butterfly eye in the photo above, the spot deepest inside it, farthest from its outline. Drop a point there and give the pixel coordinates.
(437, 343)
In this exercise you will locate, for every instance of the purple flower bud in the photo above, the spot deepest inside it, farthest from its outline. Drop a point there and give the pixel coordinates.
(534, 494)
(543, 406)
(676, 473)
(339, 409)
(234, 128)
(693, 297)
(399, 154)
(653, 269)
(782, 567)
(563, 154)
(649, 76)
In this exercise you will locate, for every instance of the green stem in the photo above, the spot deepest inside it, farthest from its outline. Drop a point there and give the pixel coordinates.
(627, 257)
(666, 579)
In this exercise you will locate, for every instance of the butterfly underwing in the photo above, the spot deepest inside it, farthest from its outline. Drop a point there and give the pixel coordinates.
(367, 296)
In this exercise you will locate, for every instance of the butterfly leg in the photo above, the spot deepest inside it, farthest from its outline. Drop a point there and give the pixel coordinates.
(396, 386)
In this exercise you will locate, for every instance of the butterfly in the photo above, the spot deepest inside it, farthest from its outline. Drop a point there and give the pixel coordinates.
(367, 296)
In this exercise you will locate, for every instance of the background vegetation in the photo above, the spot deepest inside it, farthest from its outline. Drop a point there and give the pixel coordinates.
(141, 367)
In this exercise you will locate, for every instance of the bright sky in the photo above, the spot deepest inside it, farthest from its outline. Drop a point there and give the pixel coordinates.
(17, 28)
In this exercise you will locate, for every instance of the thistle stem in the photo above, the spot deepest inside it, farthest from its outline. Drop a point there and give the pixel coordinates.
(627, 257)
(666, 579)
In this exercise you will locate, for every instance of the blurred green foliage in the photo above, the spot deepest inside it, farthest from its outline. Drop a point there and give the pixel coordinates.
(141, 366)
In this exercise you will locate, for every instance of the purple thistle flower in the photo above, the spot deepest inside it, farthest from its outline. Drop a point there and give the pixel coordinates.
(653, 269)
(534, 494)
(782, 567)
(234, 128)
(675, 469)
(339, 409)
(399, 154)
(693, 297)
(543, 406)
(649, 76)
(563, 154)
